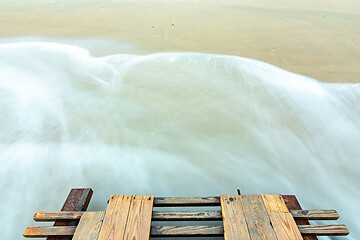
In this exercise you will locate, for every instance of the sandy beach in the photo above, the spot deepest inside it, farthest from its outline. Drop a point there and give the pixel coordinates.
(317, 39)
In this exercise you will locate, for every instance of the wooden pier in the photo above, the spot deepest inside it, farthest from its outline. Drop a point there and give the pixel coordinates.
(232, 217)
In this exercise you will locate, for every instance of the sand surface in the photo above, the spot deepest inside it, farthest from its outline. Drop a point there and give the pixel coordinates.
(320, 39)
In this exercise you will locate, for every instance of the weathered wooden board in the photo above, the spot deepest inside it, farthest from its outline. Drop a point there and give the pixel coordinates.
(214, 215)
(235, 226)
(315, 214)
(139, 219)
(49, 216)
(186, 231)
(324, 230)
(281, 219)
(77, 200)
(89, 226)
(206, 215)
(186, 201)
(257, 218)
(115, 217)
(38, 232)
(293, 204)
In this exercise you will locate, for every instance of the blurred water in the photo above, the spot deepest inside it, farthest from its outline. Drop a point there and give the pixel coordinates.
(169, 124)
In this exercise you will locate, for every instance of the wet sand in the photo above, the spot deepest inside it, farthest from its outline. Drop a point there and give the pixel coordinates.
(318, 39)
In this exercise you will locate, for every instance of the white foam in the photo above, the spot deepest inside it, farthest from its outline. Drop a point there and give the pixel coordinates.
(169, 124)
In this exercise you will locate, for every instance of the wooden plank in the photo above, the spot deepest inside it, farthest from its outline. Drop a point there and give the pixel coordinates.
(38, 232)
(214, 215)
(77, 200)
(235, 226)
(186, 231)
(315, 214)
(139, 219)
(293, 204)
(274, 203)
(89, 226)
(284, 226)
(115, 217)
(211, 215)
(186, 201)
(324, 230)
(257, 218)
(49, 216)
(281, 219)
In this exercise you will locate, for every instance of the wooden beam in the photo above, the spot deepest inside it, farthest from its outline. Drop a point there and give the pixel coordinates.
(206, 215)
(315, 214)
(77, 200)
(186, 201)
(324, 230)
(38, 232)
(186, 231)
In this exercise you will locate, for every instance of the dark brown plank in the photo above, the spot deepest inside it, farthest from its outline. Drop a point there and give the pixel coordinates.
(77, 200)
(315, 214)
(186, 231)
(187, 215)
(38, 232)
(186, 201)
(324, 230)
(293, 204)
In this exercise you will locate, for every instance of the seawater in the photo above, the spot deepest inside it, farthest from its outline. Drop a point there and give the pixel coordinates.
(169, 124)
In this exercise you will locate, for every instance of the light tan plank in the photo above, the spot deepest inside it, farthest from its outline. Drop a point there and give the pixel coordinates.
(115, 219)
(284, 226)
(274, 202)
(89, 226)
(257, 218)
(139, 220)
(234, 221)
(281, 219)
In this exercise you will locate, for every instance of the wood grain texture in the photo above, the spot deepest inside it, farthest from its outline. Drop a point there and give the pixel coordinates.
(257, 218)
(186, 231)
(210, 215)
(324, 230)
(234, 222)
(38, 232)
(49, 216)
(115, 219)
(77, 200)
(89, 226)
(186, 201)
(139, 219)
(274, 202)
(293, 204)
(315, 214)
(281, 219)
(284, 226)
(214, 215)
